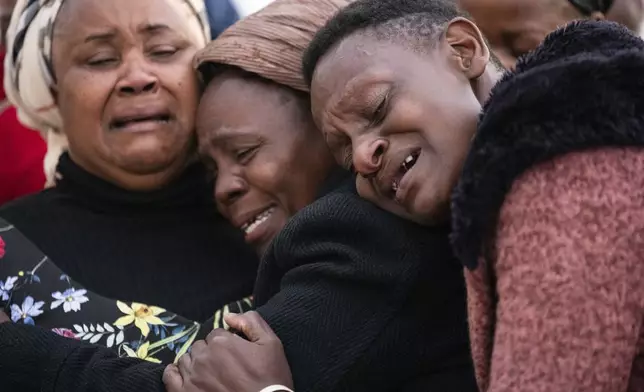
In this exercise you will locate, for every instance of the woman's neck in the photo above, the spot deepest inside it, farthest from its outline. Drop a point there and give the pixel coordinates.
(190, 187)
(130, 180)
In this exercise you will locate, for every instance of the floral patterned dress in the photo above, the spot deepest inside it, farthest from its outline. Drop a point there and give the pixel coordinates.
(34, 291)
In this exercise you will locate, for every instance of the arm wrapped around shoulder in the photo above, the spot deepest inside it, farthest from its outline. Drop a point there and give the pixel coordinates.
(570, 275)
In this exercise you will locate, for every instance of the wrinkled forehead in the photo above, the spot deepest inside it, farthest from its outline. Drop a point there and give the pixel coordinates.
(223, 108)
(349, 59)
(77, 17)
(352, 66)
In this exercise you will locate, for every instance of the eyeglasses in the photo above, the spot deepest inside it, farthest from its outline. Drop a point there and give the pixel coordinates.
(587, 7)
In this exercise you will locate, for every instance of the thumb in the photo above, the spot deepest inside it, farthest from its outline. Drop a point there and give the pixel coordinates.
(252, 325)
(172, 379)
(3, 317)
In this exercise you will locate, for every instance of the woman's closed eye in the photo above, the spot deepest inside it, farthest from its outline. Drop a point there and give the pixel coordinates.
(102, 60)
(163, 51)
(244, 155)
(380, 112)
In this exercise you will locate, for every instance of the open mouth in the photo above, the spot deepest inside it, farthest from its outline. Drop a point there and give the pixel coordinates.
(124, 122)
(405, 166)
(257, 220)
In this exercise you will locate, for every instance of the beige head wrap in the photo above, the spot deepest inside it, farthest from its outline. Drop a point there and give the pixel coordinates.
(29, 78)
(271, 42)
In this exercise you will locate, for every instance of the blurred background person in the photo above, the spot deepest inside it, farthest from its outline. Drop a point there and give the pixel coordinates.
(515, 27)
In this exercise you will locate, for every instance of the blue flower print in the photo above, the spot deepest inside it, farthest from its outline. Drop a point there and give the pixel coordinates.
(6, 287)
(71, 299)
(27, 311)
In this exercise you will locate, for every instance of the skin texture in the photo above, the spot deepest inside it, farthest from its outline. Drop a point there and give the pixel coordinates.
(210, 363)
(273, 159)
(376, 102)
(117, 60)
(515, 27)
(6, 7)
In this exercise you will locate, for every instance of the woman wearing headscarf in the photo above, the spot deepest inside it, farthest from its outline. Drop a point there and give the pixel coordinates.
(131, 216)
(131, 213)
(273, 163)
(516, 27)
(361, 299)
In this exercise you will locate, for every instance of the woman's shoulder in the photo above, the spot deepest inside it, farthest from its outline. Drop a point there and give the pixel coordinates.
(343, 228)
(30, 210)
(596, 190)
(581, 90)
(344, 214)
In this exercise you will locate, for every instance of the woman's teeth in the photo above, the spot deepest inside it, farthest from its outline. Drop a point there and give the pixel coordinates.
(406, 165)
(258, 220)
(409, 162)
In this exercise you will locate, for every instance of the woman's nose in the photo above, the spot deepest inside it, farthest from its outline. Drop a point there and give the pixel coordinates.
(368, 155)
(229, 188)
(137, 79)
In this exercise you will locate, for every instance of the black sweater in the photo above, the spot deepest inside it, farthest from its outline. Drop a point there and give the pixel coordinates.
(362, 300)
(365, 301)
(169, 248)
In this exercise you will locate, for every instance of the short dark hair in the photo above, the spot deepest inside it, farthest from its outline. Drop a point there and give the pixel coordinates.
(402, 20)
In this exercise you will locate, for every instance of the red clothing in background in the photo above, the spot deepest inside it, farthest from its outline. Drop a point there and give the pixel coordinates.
(22, 152)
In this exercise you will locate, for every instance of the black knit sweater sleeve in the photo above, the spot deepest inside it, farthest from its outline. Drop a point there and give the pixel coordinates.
(329, 286)
(40, 361)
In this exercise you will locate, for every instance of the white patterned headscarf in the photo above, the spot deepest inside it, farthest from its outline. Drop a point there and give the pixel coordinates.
(29, 77)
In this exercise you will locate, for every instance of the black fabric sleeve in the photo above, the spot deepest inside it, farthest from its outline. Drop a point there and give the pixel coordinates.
(344, 276)
(35, 360)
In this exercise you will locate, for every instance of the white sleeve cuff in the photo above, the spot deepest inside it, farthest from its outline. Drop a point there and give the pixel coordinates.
(276, 388)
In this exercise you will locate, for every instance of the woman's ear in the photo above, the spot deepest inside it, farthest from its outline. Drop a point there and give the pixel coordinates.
(469, 52)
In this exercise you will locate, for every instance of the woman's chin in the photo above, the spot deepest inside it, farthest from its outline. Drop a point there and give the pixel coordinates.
(260, 241)
(261, 234)
(261, 249)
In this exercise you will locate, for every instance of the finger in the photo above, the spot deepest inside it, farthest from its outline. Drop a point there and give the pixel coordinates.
(218, 333)
(3, 317)
(172, 378)
(197, 347)
(253, 326)
(185, 364)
